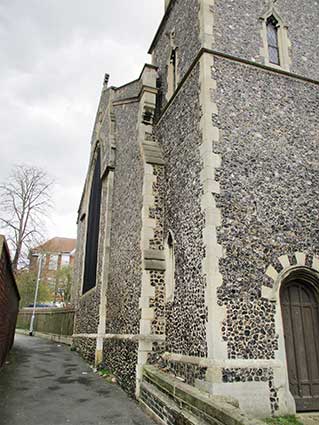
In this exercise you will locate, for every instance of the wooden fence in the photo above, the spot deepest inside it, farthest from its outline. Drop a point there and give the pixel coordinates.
(52, 322)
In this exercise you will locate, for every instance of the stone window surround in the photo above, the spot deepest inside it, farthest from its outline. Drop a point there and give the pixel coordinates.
(172, 68)
(283, 40)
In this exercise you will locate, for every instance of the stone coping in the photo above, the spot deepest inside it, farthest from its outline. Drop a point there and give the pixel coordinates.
(224, 409)
(146, 65)
(227, 363)
(130, 337)
(133, 99)
(232, 58)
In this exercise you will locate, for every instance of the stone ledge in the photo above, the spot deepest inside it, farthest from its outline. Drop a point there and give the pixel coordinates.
(129, 337)
(227, 363)
(154, 254)
(194, 401)
(154, 160)
(180, 415)
(152, 153)
(154, 265)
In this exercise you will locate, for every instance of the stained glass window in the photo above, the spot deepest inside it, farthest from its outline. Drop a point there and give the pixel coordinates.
(272, 37)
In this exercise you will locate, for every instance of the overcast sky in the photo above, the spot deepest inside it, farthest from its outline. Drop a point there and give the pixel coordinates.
(53, 57)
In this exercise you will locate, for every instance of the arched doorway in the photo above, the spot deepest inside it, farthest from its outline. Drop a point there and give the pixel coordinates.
(299, 304)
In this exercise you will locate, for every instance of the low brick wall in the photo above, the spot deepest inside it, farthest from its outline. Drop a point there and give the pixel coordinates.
(9, 302)
(55, 322)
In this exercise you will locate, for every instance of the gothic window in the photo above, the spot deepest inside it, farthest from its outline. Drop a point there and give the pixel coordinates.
(93, 225)
(272, 38)
(276, 43)
(170, 268)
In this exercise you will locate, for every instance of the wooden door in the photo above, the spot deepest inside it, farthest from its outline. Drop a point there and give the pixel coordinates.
(299, 302)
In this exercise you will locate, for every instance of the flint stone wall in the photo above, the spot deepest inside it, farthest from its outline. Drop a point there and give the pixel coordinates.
(86, 322)
(124, 286)
(183, 20)
(269, 178)
(87, 306)
(180, 138)
(120, 356)
(104, 100)
(125, 279)
(106, 136)
(131, 89)
(237, 31)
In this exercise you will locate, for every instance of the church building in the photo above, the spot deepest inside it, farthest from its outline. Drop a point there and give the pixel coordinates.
(198, 228)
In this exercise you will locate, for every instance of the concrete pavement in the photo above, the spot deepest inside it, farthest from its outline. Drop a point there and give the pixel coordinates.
(309, 418)
(47, 384)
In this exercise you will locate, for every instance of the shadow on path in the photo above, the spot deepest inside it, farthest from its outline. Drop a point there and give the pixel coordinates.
(47, 384)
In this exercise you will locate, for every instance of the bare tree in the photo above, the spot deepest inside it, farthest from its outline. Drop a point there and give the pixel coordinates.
(25, 200)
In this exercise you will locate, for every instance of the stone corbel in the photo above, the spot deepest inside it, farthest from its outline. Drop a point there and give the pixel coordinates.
(148, 114)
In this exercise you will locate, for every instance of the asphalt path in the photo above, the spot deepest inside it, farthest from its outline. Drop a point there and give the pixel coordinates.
(44, 383)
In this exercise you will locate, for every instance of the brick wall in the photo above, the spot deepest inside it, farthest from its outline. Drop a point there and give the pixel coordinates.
(9, 302)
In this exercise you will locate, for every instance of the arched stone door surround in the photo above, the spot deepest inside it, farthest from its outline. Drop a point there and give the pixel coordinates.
(299, 307)
(272, 292)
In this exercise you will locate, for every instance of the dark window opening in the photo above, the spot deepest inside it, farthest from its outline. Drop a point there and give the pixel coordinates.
(93, 226)
(170, 268)
(272, 38)
(170, 241)
(173, 62)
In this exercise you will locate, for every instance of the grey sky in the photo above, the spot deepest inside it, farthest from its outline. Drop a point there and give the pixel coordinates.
(53, 56)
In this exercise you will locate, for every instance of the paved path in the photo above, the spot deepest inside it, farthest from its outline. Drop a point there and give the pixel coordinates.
(47, 384)
(309, 418)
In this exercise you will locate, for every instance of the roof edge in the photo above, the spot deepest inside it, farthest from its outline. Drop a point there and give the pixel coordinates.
(146, 65)
(161, 25)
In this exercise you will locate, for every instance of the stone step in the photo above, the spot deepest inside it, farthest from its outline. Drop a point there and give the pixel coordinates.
(166, 410)
(192, 401)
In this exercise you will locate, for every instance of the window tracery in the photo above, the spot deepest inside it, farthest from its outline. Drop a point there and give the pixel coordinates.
(272, 39)
(276, 43)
